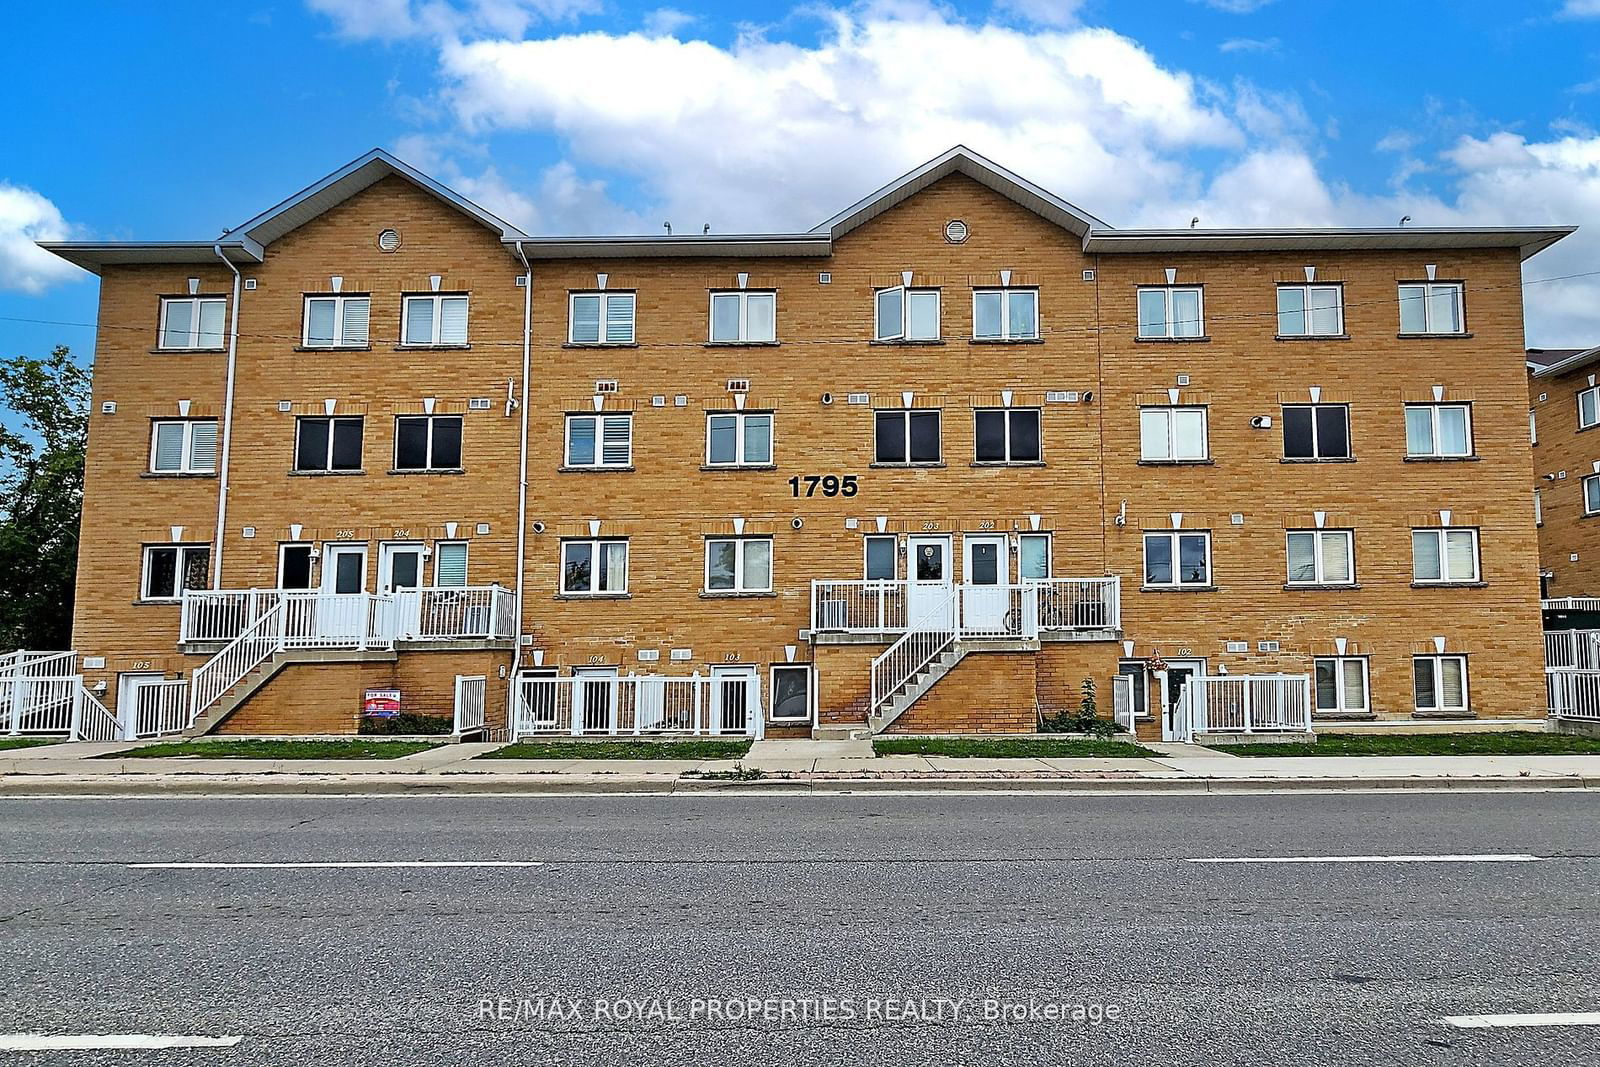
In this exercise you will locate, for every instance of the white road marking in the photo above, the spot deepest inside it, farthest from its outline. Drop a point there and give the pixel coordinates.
(59, 1042)
(334, 864)
(1554, 1018)
(1510, 857)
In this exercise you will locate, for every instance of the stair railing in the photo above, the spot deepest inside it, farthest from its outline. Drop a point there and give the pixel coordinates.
(254, 646)
(924, 641)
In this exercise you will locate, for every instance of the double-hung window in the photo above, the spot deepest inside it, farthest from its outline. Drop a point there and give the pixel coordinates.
(599, 441)
(906, 437)
(170, 569)
(1442, 556)
(1171, 311)
(882, 558)
(1588, 408)
(1431, 307)
(450, 564)
(1316, 431)
(1341, 685)
(1172, 435)
(327, 444)
(192, 322)
(593, 568)
(1439, 431)
(184, 446)
(601, 319)
(1007, 435)
(738, 439)
(336, 321)
(907, 314)
(434, 319)
(1310, 310)
(744, 317)
(1440, 682)
(1005, 314)
(1177, 560)
(427, 443)
(1321, 557)
(739, 565)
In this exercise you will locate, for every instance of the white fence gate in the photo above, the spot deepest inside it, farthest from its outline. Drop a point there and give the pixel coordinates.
(470, 692)
(1122, 707)
(725, 703)
(1572, 674)
(1240, 704)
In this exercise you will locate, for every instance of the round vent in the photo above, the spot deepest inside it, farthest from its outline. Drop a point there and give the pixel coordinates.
(389, 240)
(955, 231)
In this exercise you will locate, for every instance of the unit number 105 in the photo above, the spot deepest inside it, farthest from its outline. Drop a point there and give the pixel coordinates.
(830, 484)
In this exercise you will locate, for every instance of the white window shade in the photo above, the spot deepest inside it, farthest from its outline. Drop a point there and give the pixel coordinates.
(450, 564)
(357, 313)
(203, 446)
(419, 320)
(169, 447)
(453, 320)
(619, 318)
(616, 442)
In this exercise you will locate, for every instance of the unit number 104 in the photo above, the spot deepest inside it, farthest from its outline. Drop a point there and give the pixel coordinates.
(830, 484)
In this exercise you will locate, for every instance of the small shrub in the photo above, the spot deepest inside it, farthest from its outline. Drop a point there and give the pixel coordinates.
(1085, 719)
(409, 724)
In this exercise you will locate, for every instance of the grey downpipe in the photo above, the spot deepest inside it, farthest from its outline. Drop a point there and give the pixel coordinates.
(227, 429)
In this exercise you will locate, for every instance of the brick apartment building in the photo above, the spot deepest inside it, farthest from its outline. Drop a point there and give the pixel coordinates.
(377, 438)
(1563, 407)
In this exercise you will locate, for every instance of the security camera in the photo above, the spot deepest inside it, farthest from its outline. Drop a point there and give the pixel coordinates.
(1261, 422)
(797, 522)
(827, 398)
(538, 527)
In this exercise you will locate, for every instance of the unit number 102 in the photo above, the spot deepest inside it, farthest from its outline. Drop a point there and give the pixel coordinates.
(830, 484)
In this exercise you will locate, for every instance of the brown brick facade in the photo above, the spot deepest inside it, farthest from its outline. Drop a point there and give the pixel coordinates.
(1565, 455)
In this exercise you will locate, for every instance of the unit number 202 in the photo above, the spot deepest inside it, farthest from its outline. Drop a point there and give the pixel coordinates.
(829, 484)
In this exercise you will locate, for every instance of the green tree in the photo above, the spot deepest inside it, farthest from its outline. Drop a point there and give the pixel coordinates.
(44, 430)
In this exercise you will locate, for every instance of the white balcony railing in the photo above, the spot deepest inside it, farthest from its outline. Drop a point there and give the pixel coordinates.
(1243, 704)
(442, 613)
(638, 705)
(894, 607)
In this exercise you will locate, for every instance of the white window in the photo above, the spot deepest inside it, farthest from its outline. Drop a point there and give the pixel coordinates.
(170, 569)
(192, 322)
(1033, 557)
(1439, 430)
(591, 568)
(1321, 557)
(1176, 560)
(739, 565)
(882, 559)
(1310, 310)
(1005, 314)
(187, 446)
(791, 691)
(599, 441)
(601, 319)
(336, 321)
(1441, 682)
(747, 317)
(1591, 495)
(907, 314)
(450, 564)
(1341, 685)
(1444, 555)
(1588, 408)
(434, 320)
(1174, 435)
(1431, 307)
(1171, 311)
(738, 439)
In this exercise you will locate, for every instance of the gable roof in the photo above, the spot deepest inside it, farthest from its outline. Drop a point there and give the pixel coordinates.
(1550, 363)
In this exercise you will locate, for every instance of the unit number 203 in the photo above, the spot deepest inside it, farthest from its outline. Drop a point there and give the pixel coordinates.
(829, 484)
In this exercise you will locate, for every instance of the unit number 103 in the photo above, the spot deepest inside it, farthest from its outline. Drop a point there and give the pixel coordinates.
(829, 484)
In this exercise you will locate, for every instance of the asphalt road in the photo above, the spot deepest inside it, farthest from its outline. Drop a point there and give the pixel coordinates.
(860, 910)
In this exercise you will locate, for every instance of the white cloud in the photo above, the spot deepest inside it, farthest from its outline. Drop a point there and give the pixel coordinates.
(1243, 7)
(1250, 44)
(668, 21)
(1581, 9)
(26, 217)
(1042, 12)
(396, 19)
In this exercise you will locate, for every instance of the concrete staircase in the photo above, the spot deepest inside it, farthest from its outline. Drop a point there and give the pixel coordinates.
(916, 686)
(245, 688)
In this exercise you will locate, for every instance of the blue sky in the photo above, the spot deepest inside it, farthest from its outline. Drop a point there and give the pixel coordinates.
(609, 116)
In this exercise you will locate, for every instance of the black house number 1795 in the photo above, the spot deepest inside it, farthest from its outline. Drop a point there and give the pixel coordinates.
(829, 484)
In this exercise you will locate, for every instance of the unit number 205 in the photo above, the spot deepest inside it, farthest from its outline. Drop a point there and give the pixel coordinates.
(830, 484)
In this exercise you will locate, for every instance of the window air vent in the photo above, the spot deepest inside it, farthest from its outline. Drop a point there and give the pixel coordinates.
(649, 655)
(482, 528)
(1088, 275)
(1183, 379)
(108, 407)
(284, 405)
(1058, 397)
(738, 385)
(605, 385)
(825, 278)
(859, 398)
(249, 283)
(658, 401)
(389, 241)
(478, 403)
(1268, 646)
(682, 655)
(680, 401)
(1238, 646)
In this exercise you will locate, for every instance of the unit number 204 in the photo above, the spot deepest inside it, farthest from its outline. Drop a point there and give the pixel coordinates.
(829, 484)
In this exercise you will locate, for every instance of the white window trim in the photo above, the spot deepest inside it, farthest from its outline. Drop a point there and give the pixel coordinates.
(1306, 290)
(1005, 312)
(594, 567)
(743, 296)
(1320, 576)
(739, 583)
(1168, 322)
(1340, 707)
(1435, 451)
(194, 303)
(1578, 399)
(437, 300)
(430, 420)
(1436, 664)
(599, 442)
(1316, 432)
(739, 420)
(905, 292)
(1008, 461)
(1592, 478)
(606, 297)
(1427, 306)
(894, 556)
(811, 692)
(339, 302)
(1170, 411)
(1177, 567)
(183, 548)
(466, 563)
(186, 456)
(1049, 552)
(1445, 577)
(905, 423)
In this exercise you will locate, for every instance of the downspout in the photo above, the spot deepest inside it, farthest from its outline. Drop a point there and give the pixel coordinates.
(227, 429)
(522, 479)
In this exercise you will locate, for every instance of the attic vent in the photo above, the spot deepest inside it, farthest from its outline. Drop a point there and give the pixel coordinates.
(1267, 646)
(1088, 275)
(389, 241)
(1238, 646)
(738, 385)
(605, 385)
(955, 231)
(478, 403)
(859, 398)
(1057, 397)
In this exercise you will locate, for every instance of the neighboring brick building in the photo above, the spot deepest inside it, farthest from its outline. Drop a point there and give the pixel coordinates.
(962, 402)
(1563, 412)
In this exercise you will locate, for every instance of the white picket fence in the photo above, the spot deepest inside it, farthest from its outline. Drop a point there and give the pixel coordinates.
(43, 693)
(1572, 674)
(470, 693)
(1241, 704)
(637, 705)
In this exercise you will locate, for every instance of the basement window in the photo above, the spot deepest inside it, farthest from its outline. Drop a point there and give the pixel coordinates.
(1440, 683)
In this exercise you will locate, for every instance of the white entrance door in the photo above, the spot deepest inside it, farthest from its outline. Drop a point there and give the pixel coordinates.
(594, 709)
(400, 574)
(734, 699)
(340, 612)
(985, 596)
(129, 689)
(928, 581)
(1174, 727)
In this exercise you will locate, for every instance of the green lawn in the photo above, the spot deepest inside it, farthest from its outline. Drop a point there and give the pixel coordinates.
(277, 750)
(25, 742)
(1508, 743)
(1007, 747)
(629, 749)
